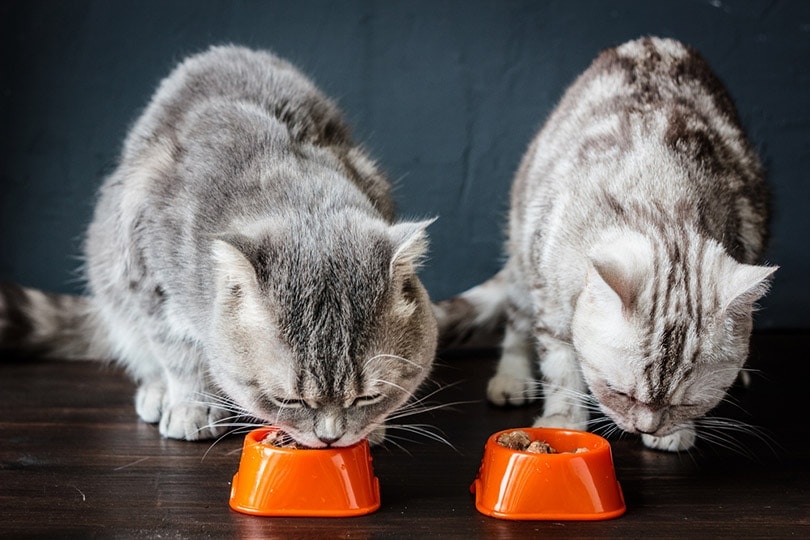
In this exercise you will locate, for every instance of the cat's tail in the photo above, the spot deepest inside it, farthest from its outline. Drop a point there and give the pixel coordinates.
(49, 325)
(475, 317)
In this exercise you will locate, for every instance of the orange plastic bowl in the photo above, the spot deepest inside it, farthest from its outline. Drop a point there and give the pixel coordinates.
(330, 482)
(512, 484)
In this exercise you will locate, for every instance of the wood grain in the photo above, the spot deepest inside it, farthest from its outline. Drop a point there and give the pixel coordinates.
(76, 461)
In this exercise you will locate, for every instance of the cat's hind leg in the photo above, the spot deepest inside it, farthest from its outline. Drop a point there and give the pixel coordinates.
(131, 348)
(513, 382)
(564, 389)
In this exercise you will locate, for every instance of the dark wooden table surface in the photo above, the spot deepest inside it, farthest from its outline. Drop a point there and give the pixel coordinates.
(75, 461)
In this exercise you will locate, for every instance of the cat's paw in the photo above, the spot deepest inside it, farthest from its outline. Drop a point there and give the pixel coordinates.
(507, 390)
(562, 421)
(678, 441)
(149, 401)
(191, 421)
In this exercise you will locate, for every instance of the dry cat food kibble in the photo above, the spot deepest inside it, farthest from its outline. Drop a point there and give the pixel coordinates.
(520, 440)
(540, 447)
(515, 440)
(279, 439)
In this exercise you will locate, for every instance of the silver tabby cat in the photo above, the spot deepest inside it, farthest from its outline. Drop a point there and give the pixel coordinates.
(244, 255)
(637, 217)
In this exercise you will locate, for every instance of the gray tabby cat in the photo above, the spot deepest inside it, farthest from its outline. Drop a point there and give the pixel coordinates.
(636, 219)
(244, 253)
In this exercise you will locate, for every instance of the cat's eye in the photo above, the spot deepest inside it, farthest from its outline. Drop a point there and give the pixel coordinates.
(288, 403)
(363, 401)
(619, 393)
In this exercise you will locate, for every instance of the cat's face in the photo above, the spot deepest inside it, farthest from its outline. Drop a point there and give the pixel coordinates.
(657, 353)
(654, 380)
(323, 334)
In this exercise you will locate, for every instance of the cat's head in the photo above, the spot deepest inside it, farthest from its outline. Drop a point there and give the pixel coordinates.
(661, 330)
(322, 328)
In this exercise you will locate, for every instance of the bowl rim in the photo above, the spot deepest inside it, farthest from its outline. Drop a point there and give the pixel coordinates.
(602, 444)
(253, 435)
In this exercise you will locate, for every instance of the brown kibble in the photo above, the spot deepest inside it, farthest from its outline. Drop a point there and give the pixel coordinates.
(540, 447)
(279, 439)
(520, 440)
(515, 440)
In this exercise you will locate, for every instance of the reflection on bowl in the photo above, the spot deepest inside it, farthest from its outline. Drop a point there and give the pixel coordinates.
(329, 482)
(576, 483)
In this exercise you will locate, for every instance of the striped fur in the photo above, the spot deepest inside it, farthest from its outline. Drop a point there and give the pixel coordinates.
(244, 259)
(638, 215)
(48, 325)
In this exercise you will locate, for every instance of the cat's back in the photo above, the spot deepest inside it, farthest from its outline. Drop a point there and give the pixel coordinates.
(649, 123)
(232, 136)
(651, 84)
(237, 75)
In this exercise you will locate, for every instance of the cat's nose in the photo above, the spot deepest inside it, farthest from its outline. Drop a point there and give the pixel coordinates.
(649, 428)
(329, 426)
(648, 423)
(328, 441)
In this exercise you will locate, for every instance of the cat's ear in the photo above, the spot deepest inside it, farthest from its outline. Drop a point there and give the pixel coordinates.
(410, 243)
(744, 284)
(620, 268)
(233, 268)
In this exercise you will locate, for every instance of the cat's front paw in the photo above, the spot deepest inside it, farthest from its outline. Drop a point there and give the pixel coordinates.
(563, 421)
(149, 401)
(191, 421)
(677, 441)
(507, 390)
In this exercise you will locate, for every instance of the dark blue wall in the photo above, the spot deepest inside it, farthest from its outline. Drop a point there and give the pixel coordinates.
(446, 95)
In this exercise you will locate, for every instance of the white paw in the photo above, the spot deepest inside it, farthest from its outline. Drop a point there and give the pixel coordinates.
(191, 421)
(572, 421)
(680, 440)
(507, 390)
(149, 401)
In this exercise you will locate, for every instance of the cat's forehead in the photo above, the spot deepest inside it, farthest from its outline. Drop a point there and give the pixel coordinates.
(340, 244)
(328, 315)
(329, 381)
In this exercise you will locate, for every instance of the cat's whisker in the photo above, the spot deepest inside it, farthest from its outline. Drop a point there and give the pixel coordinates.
(393, 384)
(391, 439)
(439, 388)
(585, 399)
(727, 443)
(219, 402)
(241, 428)
(393, 356)
(729, 425)
(422, 400)
(734, 402)
(422, 429)
(406, 411)
(422, 405)
(600, 422)
(604, 427)
(241, 420)
(720, 432)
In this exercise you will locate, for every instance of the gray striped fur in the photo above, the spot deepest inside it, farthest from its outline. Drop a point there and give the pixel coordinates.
(637, 218)
(245, 251)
